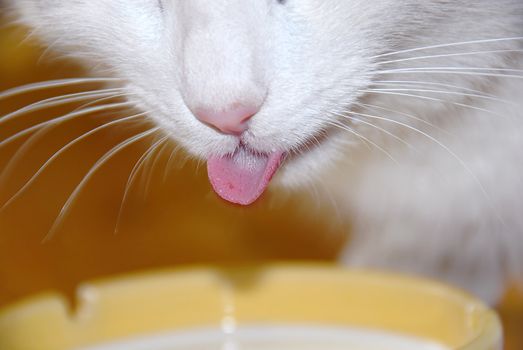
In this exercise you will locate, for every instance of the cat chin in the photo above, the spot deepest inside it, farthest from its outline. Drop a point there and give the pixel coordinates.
(313, 163)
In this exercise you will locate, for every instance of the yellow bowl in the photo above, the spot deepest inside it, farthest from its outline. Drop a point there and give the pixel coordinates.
(164, 301)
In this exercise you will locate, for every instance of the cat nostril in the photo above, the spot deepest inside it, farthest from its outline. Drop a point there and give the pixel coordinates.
(232, 120)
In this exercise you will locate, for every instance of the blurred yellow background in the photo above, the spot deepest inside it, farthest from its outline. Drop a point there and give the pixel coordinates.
(165, 223)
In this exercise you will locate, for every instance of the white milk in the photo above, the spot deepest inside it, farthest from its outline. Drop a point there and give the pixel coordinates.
(275, 338)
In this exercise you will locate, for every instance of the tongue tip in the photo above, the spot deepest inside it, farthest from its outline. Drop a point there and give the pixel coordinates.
(239, 200)
(234, 192)
(234, 197)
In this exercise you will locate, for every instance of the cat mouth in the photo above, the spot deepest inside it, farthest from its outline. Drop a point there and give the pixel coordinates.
(243, 176)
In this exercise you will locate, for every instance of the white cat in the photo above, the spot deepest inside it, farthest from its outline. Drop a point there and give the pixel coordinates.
(409, 112)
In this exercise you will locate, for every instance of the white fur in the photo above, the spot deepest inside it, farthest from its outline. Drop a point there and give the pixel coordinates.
(448, 206)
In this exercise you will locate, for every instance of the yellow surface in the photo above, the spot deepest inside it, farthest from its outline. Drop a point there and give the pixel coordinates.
(179, 221)
(165, 301)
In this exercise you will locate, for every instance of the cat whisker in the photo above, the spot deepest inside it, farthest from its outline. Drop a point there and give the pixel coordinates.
(359, 120)
(98, 100)
(29, 35)
(429, 83)
(21, 151)
(365, 139)
(304, 146)
(61, 119)
(449, 55)
(199, 163)
(449, 72)
(131, 178)
(464, 69)
(150, 171)
(444, 92)
(47, 51)
(53, 84)
(24, 148)
(423, 121)
(168, 165)
(438, 46)
(315, 140)
(370, 91)
(101, 161)
(64, 149)
(57, 101)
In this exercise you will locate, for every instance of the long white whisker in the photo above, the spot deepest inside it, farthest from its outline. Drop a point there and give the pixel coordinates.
(27, 144)
(62, 150)
(365, 139)
(31, 33)
(370, 106)
(145, 171)
(149, 175)
(448, 55)
(107, 156)
(24, 148)
(453, 68)
(168, 165)
(430, 83)
(57, 101)
(52, 84)
(61, 119)
(449, 72)
(445, 92)
(359, 120)
(198, 164)
(98, 100)
(462, 43)
(432, 99)
(47, 50)
(130, 179)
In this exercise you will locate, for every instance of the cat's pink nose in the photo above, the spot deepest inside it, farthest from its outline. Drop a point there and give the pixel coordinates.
(230, 121)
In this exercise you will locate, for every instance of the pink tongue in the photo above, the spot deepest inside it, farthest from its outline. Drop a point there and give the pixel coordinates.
(242, 177)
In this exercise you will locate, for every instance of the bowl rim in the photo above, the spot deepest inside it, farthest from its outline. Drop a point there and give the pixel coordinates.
(488, 337)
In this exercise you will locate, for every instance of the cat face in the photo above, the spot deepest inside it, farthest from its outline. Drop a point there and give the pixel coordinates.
(291, 68)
